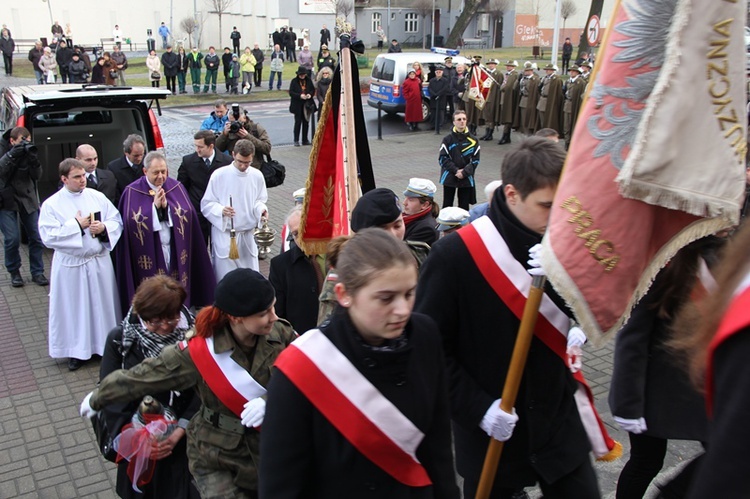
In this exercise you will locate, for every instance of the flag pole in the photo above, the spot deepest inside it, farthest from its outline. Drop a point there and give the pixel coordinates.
(348, 124)
(512, 381)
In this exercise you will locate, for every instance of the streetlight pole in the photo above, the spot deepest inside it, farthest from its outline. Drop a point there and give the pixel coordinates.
(556, 36)
(432, 29)
(49, 6)
(388, 23)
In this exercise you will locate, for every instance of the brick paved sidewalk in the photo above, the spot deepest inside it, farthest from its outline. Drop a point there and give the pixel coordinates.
(47, 450)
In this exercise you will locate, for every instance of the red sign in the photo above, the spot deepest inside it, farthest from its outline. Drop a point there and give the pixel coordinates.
(593, 31)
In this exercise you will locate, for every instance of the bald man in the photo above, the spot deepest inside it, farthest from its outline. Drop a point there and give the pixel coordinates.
(101, 180)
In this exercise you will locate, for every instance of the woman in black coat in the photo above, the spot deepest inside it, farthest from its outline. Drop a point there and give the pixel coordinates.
(156, 320)
(302, 91)
(382, 350)
(651, 396)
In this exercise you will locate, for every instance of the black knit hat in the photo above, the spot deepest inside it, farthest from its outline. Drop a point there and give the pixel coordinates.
(376, 208)
(243, 292)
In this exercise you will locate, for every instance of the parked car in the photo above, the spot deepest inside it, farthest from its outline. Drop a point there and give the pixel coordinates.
(61, 117)
(389, 72)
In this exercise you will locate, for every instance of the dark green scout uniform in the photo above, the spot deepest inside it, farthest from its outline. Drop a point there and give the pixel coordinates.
(223, 454)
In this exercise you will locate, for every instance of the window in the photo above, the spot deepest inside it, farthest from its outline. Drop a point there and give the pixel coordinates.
(377, 18)
(411, 22)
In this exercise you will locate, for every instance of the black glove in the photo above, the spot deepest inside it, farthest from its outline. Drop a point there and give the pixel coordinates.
(18, 151)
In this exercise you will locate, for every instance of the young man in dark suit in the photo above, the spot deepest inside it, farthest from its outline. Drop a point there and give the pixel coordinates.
(196, 169)
(98, 179)
(129, 167)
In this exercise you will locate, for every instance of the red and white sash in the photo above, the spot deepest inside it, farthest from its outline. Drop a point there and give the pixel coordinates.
(229, 381)
(511, 282)
(735, 319)
(368, 420)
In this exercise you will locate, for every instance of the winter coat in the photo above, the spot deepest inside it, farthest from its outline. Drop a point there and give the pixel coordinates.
(77, 71)
(259, 58)
(171, 62)
(304, 455)
(247, 62)
(277, 61)
(412, 90)
(153, 64)
(458, 151)
(212, 62)
(296, 105)
(194, 60)
(479, 331)
(63, 56)
(48, 64)
(7, 46)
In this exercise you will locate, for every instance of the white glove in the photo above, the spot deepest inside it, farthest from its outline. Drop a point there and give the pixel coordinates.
(636, 426)
(86, 410)
(497, 423)
(254, 412)
(576, 337)
(535, 260)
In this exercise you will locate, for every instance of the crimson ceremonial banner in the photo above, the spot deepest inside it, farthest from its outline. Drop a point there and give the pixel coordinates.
(657, 157)
(479, 86)
(327, 204)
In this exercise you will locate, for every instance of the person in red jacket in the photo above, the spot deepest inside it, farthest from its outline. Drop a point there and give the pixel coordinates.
(412, 88)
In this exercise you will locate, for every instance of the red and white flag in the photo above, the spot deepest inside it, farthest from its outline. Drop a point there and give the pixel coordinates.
(479, 86)
(340, 163)
(657, 157)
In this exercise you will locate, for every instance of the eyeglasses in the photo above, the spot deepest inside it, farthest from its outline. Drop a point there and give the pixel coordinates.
(157, 324)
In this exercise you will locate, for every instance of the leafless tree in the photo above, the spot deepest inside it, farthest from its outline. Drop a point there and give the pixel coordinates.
(424, 9)
(343, 7)
(568, 9)
(189, 26)
(219, 7)
(470, 10)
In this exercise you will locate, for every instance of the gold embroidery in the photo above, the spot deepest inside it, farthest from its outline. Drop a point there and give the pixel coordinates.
(145, 262)
(140, 224)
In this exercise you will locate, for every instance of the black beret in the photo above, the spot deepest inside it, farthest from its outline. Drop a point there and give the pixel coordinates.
(376, 208)
(243, 292)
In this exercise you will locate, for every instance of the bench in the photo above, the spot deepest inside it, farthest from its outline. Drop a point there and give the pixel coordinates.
(25, 44)
(478, 43)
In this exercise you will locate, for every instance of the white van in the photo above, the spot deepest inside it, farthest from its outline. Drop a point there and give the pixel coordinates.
(389, 72)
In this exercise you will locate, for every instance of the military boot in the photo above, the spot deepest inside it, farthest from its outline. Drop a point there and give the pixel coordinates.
(488, 135)
(505, 139)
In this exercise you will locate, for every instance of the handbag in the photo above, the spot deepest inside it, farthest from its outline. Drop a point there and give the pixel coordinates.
(155, 75)
(50, 77)
(104, 438)
(273, 172)
(113, 73)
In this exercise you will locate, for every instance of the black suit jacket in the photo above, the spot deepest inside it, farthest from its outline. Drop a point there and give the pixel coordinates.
(296, 284)
(194, 175)
(106, 183)
(124, 173)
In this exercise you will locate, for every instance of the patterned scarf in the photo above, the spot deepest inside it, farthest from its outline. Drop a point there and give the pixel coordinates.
(134, 331)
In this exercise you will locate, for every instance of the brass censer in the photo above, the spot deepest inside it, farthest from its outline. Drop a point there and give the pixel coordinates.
(264, 238)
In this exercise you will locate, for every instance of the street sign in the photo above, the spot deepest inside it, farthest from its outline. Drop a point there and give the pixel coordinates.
(593, 30)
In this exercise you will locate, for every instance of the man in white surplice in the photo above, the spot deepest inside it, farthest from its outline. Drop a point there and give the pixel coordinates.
(244, 187)
(82, 226)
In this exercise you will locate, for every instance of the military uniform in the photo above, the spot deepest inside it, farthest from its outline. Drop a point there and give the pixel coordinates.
(223, 454)
(550, 101)
(574, 89)
(509, 97)
(491, 111)
(529, 96)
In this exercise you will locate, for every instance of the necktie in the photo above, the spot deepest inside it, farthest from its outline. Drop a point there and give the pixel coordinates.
(92, 179)
(208, 163)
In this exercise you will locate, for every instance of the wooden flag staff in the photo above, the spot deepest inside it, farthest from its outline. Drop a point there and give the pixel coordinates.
(512, 381)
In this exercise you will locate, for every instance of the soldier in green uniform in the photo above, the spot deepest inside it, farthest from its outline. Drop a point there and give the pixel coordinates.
(550, 100)
(529, 91)
(379, 208)
(509, 96)
(573, 91)
(240, 329)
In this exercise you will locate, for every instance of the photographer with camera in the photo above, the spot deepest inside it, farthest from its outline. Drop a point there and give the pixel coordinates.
(218, 118)
(20, 169)
(240, 126)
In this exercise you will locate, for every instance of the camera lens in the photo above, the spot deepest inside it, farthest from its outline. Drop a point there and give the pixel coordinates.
(234, 127)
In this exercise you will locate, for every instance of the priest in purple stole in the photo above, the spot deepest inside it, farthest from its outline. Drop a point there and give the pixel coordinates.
(161, 235)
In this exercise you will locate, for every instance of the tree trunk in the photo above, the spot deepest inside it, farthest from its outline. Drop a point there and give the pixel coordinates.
(470, 10)
(595, 10)
(220, 32)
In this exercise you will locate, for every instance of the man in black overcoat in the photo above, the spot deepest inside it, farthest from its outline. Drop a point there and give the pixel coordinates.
(548, 445)
(129, 167)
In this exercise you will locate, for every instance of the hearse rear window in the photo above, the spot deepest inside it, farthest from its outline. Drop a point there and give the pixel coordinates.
(73, 118)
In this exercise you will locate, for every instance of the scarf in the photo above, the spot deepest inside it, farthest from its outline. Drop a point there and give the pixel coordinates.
(151, 344)
(412, 218)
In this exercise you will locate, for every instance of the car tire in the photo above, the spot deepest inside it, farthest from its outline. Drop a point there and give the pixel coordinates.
(426, 114)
